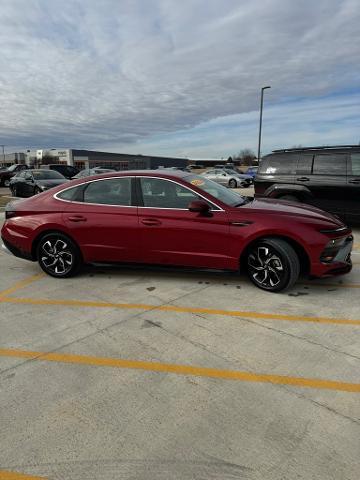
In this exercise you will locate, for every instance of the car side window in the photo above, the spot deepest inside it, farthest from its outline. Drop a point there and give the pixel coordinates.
(114, 191)
(27, 176)
(70, 194)
(355, 164)
(159, 193)
(332, 164)
(21, 174)
(279, 165)
(304, 166)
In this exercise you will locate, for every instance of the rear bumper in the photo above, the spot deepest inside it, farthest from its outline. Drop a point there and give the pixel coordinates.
(10, 249)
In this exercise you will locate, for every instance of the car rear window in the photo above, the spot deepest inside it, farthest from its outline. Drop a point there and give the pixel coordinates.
(279, 165)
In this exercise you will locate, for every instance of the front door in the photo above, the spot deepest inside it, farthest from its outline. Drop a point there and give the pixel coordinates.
(172, 235)
(104, 222)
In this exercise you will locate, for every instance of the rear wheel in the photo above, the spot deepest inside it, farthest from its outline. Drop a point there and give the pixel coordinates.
(273, 265)
(58, 255)
(232, 183)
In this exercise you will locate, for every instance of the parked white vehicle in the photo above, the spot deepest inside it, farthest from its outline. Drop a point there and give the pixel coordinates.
(224, 178)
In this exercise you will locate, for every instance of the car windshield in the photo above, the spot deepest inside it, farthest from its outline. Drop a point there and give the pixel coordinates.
(229, 197)
(47, 175)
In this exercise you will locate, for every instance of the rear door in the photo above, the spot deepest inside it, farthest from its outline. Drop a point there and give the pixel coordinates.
(103, 220)
(326, 182)
(172, 235)
(353, 188)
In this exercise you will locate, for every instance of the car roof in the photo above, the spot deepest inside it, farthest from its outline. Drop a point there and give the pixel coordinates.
(330, 148)
(170, 174)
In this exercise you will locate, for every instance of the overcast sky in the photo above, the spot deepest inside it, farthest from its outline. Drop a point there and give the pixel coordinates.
(178, 78)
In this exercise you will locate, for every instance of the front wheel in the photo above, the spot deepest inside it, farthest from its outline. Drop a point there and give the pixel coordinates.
(58, 255)
(273, 265)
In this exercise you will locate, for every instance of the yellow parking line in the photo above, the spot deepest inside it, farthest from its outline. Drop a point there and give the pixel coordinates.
(174, 308)
(17, 476)
(21, 284)
(183, 370)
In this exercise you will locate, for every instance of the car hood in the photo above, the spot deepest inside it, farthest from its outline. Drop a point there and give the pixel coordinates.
(282, 207)
(51, 182)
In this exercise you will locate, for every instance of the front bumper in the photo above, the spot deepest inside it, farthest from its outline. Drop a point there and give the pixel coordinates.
(340, 264)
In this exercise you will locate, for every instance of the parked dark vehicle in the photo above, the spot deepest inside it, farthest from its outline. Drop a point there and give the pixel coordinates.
(8, 173)
(93, 171)
(175, 218)
(68, 171)
(31, 182)
(326, 177)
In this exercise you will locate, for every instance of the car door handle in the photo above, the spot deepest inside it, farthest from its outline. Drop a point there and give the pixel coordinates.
(356, 180)
(77, 218)
(150, 222)
(242, 223)
(303, 179)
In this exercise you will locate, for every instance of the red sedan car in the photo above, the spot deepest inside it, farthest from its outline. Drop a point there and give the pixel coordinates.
(175, 218)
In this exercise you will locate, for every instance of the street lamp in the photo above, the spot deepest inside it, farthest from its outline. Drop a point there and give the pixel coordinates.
(260, 124)
(3, 151)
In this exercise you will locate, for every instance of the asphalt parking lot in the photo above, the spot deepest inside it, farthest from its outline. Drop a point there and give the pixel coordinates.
(139, 373)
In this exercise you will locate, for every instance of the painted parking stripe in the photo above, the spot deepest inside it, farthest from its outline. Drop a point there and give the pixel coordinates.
(179, 309)
(5, 475)
(183, 370)
(22, 284)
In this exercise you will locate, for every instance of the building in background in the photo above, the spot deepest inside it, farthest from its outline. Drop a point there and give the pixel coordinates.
(90, 159)
(8, 159)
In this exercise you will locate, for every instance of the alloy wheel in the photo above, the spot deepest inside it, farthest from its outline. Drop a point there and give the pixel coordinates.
(266, 267)
(56, 256)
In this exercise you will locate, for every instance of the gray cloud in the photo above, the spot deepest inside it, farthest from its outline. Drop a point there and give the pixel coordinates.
(88, 73)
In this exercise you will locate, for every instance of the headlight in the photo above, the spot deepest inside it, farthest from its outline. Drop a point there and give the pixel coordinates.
(331, 250)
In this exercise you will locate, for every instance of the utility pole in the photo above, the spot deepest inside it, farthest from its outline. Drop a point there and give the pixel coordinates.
(3, 150)
(260, 123)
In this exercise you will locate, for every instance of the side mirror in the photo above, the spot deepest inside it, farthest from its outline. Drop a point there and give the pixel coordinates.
(199, 206)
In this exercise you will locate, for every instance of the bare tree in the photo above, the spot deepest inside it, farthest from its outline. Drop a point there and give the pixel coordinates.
(246, 156)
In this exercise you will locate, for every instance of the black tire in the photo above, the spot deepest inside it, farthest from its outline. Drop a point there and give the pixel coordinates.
(58, 255)
(232, 183)
(290, 198)
(6, 182)
(273, 265)
(37, 190)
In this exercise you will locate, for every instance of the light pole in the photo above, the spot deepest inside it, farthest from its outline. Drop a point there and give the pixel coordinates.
(260, 124)
(3, 149)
